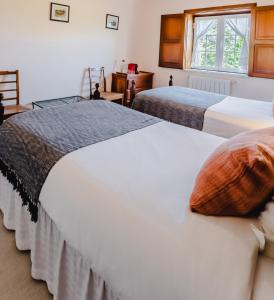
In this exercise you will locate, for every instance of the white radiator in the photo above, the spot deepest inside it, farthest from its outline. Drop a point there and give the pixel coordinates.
(214, 85)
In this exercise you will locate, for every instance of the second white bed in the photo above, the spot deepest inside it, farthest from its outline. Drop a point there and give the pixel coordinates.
(220, 115)
(235, 115)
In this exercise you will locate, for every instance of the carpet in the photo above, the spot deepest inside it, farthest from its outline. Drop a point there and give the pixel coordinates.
(15, 271)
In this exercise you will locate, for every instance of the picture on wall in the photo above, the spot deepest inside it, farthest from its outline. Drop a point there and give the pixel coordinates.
(112, 22)
(59, 12)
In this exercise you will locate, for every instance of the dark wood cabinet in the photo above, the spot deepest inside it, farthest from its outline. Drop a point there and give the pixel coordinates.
(172, 41)
(131, 84)
(262, 42)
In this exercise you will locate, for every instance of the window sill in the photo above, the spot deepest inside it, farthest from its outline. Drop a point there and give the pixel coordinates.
(219, 73)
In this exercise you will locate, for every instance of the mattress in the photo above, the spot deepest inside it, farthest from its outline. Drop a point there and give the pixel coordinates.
(235, 115)
(120, 207)
(264, 280)
(123, 204)
(68, 275)
(215, 114)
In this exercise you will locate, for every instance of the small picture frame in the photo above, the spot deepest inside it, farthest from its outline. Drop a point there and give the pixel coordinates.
(59, 12)
(112, 22)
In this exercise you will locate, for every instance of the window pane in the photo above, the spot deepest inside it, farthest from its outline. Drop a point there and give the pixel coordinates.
(229, 42)
(211, 43)
(203, 59)
(211, 59)
(236, 36)
(229, 60)
(202, 44)
(239, 43)
(221, 43)
(228, 31)
(205, 43)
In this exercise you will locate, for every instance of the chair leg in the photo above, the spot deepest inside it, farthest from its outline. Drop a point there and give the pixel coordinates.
(2, 109)
(1, 113)
(132, 93)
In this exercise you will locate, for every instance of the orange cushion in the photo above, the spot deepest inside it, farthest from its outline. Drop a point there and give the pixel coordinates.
(239, 176)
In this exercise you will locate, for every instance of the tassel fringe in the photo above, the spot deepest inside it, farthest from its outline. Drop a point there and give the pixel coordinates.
(18, 187)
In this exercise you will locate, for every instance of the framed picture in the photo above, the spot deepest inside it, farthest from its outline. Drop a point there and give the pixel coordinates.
(59, 12)
(112, 22)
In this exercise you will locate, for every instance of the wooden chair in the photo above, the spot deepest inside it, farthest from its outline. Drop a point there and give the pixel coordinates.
(9, 85)
(1, 109)
(97, 76)
(170, 83)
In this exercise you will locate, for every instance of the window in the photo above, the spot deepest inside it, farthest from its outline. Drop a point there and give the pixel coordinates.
(233, 38)
(221, 43)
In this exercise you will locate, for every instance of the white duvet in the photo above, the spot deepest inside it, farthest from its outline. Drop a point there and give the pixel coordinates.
(123, 204)
(235, 115)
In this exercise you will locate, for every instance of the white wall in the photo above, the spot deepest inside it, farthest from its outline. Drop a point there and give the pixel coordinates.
(146, 49)
(52, 56)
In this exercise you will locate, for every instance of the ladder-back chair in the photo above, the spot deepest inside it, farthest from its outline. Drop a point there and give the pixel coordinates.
(97, 76)
(10, 90)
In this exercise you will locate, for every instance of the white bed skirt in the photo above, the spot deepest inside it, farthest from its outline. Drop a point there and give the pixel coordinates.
(67, 274)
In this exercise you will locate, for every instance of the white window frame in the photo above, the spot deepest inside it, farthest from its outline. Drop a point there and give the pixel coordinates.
(220, 43)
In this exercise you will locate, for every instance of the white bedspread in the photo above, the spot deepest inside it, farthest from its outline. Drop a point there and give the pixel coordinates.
(235, 115)
(123, 204)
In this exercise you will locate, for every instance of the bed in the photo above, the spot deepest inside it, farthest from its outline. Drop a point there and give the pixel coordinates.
(111, 219)
(216, 114)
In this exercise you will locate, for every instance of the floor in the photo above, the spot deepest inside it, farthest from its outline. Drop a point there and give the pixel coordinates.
(15, 272)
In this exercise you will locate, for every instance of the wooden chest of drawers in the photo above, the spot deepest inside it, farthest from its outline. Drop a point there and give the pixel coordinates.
(130, 84)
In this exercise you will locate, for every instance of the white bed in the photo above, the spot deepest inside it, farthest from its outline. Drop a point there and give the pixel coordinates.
(120, 209)
(220, 115)
(235, 115)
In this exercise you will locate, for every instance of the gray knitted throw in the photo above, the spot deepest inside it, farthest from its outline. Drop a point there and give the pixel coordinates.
(32, 143)
(179, 105)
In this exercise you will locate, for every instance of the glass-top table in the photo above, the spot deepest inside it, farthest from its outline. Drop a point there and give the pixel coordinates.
(57, 102)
